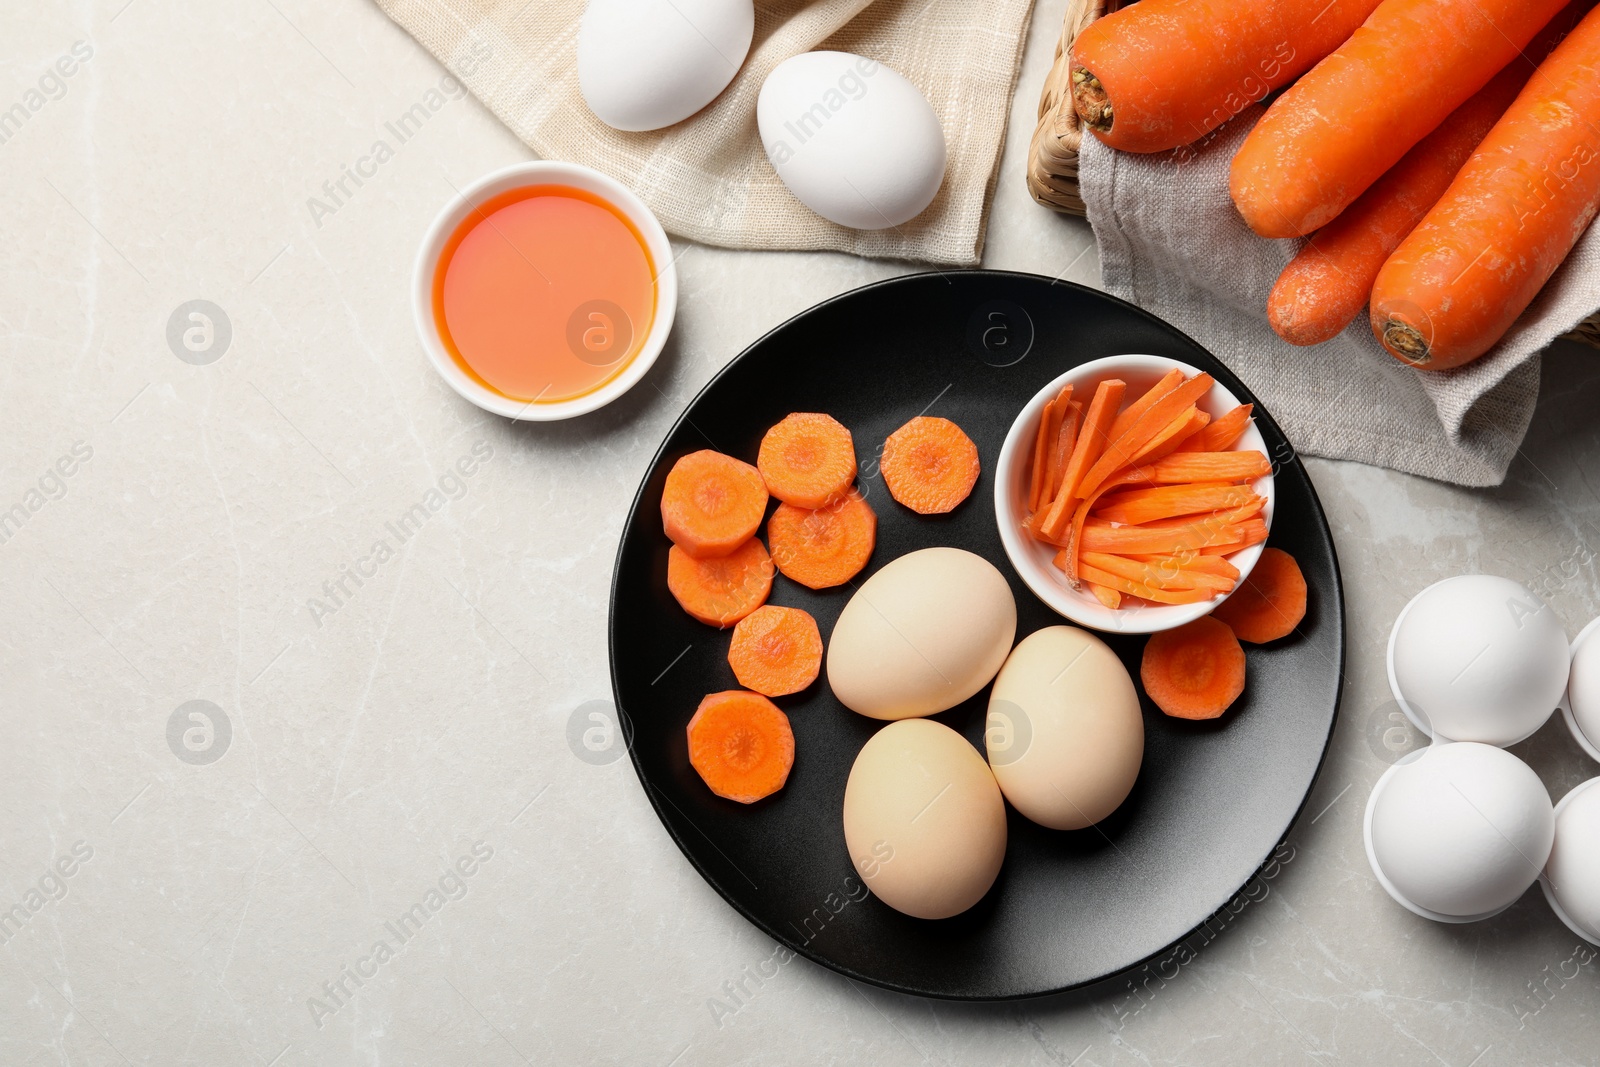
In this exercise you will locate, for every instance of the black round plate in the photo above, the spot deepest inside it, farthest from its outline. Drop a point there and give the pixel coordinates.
(1213, 800)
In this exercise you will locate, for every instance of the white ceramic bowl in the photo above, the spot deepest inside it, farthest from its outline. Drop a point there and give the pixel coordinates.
(1034, 560)
(542, 172)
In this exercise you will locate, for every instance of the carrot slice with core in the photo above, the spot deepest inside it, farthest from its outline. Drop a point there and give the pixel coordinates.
(824, 547)
(712, 503)
(1268, 604)
(741, 745)
(1194, 671)
(776, 651)
(723, 590)
(930, 465)
(807, 459)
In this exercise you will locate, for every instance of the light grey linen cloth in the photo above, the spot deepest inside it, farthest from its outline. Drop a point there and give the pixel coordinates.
(1171, 241)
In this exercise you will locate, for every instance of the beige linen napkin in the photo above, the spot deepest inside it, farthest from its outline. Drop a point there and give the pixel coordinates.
(707, 178)
(1171, 241)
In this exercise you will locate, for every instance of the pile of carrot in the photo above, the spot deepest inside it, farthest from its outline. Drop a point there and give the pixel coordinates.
(821, 534)
(1441, 157)
(712, 506)
(1145, 502)
(823, 530)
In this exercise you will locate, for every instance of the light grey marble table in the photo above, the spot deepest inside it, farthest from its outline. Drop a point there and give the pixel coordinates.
(209, 890)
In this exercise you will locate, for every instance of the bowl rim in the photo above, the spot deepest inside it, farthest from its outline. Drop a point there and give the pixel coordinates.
(1031, 560)
(505, 179)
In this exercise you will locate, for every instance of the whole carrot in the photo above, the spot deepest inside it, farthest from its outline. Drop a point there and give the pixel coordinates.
(1164, 73)
(1477, 260)
(1325, 287)
(1339, 128)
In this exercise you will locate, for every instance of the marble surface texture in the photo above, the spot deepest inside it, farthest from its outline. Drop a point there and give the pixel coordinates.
(195, 879)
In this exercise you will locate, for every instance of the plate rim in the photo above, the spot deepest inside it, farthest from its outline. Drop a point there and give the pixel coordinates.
(625, 722)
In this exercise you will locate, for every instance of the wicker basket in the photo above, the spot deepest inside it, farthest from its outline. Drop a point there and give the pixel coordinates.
(1053, 155)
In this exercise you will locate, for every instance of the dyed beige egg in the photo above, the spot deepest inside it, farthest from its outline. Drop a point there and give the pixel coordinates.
(1064, 735)
(923, 634)
(924, 820)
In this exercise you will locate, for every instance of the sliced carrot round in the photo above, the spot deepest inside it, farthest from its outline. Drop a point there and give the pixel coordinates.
(776, 651)
(807, 459)
(741, 745)
(1268, 604)
(930, 465)
(712, 503)
(824, 547)
(1194, 671)
(722, 590)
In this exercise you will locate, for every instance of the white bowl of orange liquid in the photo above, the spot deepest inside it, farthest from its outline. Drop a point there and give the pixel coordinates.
(544, 291)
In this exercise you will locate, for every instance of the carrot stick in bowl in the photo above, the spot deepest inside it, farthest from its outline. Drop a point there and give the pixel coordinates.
(1144, 592)
(1109, 597)
(1098, 423)
(1183, 467)
(1339, 128)
(1458, 282)
(1194, 672)
(1170, 439)
(1165, 502)
(1222, 434)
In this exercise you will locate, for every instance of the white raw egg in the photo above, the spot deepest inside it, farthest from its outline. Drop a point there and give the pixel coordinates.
(924, 820)
(923, 634)
(1459, 832)
(853, 140)
(1583, 690)
(1064, 735)
(645, 64)
(1571, 879)
(1478, 658)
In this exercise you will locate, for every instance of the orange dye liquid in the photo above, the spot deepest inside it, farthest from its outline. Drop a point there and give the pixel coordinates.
(544, 293)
